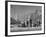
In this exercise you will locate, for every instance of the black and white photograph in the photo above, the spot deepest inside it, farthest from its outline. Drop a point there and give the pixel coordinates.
(25, 18)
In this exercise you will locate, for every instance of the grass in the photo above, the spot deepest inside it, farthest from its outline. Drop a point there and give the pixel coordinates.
(20, 29)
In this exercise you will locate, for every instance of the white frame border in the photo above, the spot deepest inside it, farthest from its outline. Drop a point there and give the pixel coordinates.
(27, 32)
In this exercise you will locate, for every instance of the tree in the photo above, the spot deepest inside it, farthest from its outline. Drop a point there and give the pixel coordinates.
(36, 17)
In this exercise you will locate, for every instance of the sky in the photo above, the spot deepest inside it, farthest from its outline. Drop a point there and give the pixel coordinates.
(22, 11)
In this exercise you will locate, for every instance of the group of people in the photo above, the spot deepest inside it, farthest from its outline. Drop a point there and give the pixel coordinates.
(26, 23)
